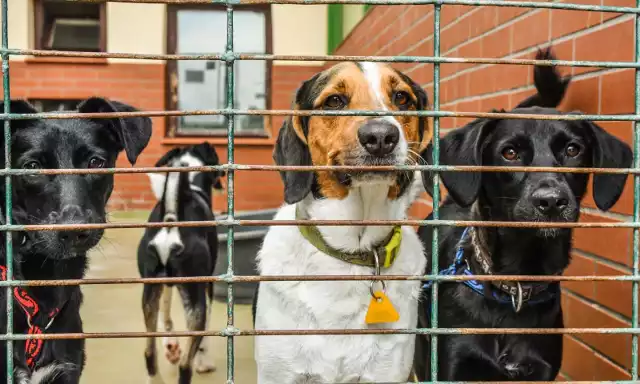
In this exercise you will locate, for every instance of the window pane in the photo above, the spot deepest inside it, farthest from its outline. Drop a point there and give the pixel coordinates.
(202, 84)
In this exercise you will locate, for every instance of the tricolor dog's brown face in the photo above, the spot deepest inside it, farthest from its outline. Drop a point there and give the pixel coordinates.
(353, 140)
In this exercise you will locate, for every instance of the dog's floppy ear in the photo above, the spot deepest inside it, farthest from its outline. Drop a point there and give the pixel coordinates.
(19, 106)
(421, 105)
(209, 155)
(462, 146)
(608, 152)
(291, 150)
(131, 133)
(166, 158)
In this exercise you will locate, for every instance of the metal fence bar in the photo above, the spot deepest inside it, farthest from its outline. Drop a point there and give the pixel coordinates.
(436, 191)
(230, 191)
(496, 3)
(6, 84)
(353, 112)
(272, 57)
(636, 207)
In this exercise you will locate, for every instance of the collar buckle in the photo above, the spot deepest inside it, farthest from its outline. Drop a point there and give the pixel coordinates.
(517, 299)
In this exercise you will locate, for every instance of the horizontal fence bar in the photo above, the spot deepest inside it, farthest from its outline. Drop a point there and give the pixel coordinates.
(252, 279)
(495, 3)
(322, 58)
(288, 112)
(337, 223)
(306, 168)
(327, 332)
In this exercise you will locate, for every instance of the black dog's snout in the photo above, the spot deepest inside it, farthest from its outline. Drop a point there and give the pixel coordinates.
(379, 138)
(549, 200)
(72, 214)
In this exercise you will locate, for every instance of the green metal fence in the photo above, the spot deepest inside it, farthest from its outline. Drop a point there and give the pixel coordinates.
(229, 57)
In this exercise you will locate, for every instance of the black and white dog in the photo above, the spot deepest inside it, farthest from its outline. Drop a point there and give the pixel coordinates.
(59, 199)
(179, 252)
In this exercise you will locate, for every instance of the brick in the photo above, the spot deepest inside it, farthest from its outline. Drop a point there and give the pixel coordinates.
(507, 13)
(617, 92)
(582, 95)
(564, 22)
(497, 102)
(530, 31)
(610, 243)
(618, 38)
(497, 43)
(581, 314)
(579, 362)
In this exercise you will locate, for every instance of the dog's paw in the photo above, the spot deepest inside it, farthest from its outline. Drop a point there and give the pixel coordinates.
(203, 362)
(172, 350)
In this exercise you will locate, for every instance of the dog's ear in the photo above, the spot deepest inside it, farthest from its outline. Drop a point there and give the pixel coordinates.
(21, 107)
(608, 152)
(421, 105)
(207, 153)
(166, 158)
(132, 133)
(291, 150)
(291, 147)
(462, 146)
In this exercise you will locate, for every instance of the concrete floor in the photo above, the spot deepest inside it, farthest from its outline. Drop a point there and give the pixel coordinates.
(117, 308)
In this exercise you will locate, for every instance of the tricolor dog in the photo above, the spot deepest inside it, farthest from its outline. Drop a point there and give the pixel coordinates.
(177, 252)
(344, 250)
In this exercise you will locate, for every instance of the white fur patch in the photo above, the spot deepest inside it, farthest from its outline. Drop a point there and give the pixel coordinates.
(50, 372)
(158, 180)
(163, 242)
(335, 304)
(373, 75)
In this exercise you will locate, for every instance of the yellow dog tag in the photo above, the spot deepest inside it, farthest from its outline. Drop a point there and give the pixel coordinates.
(381, 310)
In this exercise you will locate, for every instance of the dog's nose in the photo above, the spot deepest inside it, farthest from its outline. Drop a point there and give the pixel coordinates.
(379, 138)
(72, 214)
(549, 200)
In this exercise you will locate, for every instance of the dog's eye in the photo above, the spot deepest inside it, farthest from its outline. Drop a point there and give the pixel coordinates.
(401, 98)
(334, 102)
(32, 165)
(96, 162)
(510, 154)
(572, 150)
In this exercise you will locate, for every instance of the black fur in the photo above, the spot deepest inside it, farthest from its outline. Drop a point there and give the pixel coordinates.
(62, 199)
(508, 197)
(198, 258)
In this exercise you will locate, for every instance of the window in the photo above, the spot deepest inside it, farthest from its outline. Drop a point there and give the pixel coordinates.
(200, 85)
(70, 26)
(54, 105)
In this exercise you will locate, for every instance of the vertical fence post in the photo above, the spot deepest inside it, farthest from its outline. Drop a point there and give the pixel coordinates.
(230, 62)
(636, 205)
(7, 183)
(436, 189)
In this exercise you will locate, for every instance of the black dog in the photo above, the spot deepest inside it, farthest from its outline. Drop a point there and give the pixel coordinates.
(499, 196)
(59, 199)
(174, 252)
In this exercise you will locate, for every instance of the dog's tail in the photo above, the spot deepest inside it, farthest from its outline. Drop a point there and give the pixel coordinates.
(50, 373)
(550, 85)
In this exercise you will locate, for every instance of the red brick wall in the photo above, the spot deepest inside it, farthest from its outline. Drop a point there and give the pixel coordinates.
(515, 33)
(143, 86)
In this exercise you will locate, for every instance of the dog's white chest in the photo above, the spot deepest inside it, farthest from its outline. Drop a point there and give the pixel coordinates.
(334, 305)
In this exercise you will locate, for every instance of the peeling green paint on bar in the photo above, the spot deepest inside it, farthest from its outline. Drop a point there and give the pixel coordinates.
(230, 191)
(7, 181)
(636, 206)
(436, 192)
